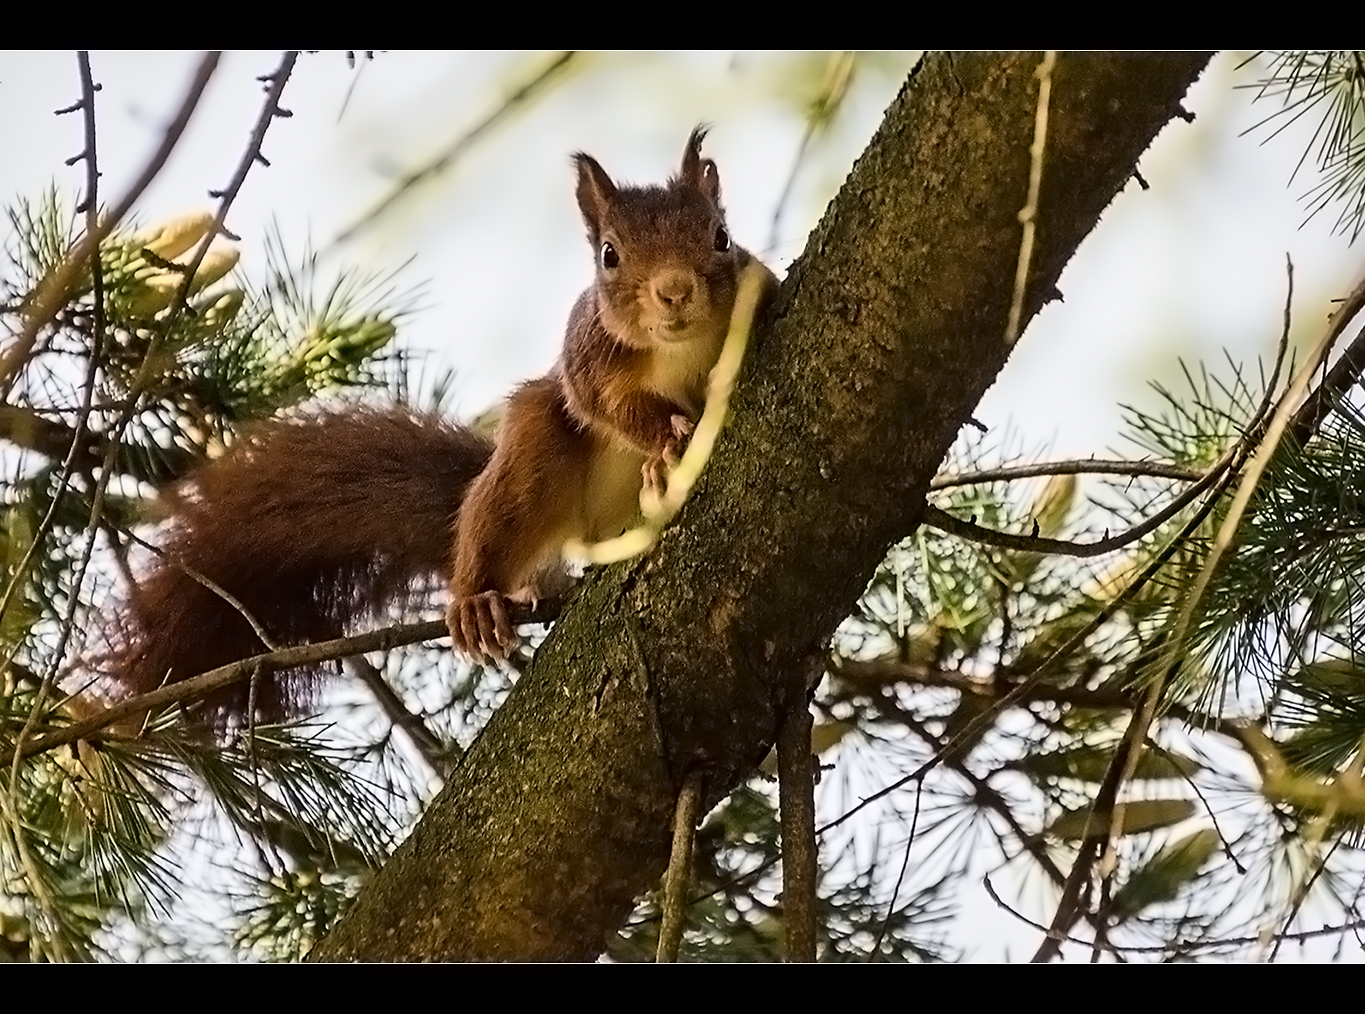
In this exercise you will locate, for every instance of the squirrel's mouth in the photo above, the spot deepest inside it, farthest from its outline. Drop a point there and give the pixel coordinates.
(676, 330)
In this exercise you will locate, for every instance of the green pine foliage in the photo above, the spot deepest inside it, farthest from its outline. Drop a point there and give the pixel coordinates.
(96, 831)
(1328, 86)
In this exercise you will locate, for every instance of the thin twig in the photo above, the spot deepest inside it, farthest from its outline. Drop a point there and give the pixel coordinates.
(1028, 216)
(1340, 378)
(1228, 463)
(77, 437)
(868, 677)
(90, 204)
(1006, 906)
(97, 228)
(938, 518)
(171, 560)
(1029, 682)
(1185, 948)
(54, 291)
(440, 756)
(458, 147)
(1105, 815)
(800, 860)
(838, 74)
(988, 796)
(900, 875)
(674, 912)
(1076, 466)
(269, 112)
(1301, 895)
(197, 687)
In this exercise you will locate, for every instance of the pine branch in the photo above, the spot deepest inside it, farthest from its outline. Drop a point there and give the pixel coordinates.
(197, 687)
(1335, 82)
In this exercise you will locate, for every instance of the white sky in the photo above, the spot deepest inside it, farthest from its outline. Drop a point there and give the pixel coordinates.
(1186, 269)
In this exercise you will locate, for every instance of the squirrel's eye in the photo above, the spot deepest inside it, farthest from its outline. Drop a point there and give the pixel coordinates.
(722, 239)
(610, 258)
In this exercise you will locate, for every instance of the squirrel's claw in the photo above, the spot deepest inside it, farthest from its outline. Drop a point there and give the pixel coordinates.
(480, 628)
(655, 474)
(656, 468)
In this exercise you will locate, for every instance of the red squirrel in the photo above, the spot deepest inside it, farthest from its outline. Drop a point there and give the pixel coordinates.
(316, 522)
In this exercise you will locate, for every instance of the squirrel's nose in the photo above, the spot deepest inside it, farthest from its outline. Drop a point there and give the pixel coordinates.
(673, 288)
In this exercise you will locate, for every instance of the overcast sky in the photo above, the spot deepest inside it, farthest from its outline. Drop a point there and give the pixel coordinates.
(1190, 267)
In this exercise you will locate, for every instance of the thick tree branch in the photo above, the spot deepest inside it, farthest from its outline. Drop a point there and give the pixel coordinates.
(885, 335)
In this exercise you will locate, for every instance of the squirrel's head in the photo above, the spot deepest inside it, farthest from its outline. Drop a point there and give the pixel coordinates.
(666, 267)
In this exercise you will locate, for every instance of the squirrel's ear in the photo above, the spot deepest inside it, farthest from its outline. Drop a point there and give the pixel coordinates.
(596, 191)
(697, 171)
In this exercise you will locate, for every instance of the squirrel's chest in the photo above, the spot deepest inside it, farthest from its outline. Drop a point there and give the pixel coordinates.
(611, 490)
(680, 372)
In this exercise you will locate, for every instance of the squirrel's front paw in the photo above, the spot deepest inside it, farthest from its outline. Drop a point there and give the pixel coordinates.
(656, 468)
(479, 626)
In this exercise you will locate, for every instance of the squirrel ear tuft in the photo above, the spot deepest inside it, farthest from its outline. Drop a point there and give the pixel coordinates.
(700, 172)
(595, 193)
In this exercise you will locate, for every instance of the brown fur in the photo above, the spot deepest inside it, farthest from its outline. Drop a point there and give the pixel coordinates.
(311, 524)
(315, 523)
(577, 444)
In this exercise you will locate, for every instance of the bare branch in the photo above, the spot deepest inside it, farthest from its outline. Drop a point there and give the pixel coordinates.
(1029, 682)
(1102, 824)
(1341, 377)
(1075, 466)
(674, 910)
(800, 857)
(458, 147)
(18, 832)
(197, 687)
(441, 756)
(269, 112)
(942, 520)
(55, 291)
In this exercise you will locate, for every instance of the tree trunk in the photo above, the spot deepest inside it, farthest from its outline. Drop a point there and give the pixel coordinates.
(886, 333)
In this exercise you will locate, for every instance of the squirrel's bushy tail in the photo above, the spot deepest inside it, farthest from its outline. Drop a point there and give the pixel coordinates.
(310, 524)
